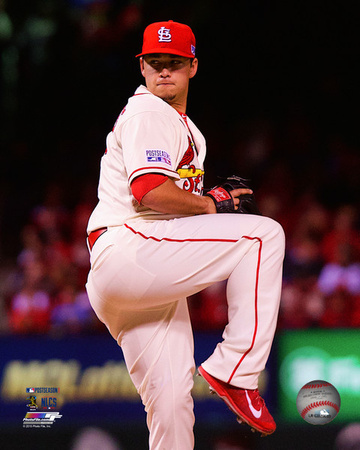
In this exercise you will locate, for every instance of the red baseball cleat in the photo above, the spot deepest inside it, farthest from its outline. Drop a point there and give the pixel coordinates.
(247, 404)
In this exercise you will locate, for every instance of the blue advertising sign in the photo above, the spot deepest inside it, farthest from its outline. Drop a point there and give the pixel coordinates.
(83, 380)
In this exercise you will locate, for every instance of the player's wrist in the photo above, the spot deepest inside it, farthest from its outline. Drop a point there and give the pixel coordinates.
(210, 205)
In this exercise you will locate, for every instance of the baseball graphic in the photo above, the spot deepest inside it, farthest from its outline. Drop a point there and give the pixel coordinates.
(318, 402)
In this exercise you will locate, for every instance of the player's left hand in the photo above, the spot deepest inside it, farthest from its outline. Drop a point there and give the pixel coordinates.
(234, 196)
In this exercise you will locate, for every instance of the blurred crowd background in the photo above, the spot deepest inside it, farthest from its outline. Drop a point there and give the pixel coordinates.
(276, 97)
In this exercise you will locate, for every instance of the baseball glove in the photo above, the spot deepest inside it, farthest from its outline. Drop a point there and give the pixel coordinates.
(224, 202)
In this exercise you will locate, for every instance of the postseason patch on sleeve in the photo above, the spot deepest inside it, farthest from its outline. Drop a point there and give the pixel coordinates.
(158, 156)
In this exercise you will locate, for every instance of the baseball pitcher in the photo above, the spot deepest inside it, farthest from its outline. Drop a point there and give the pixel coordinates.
(155, 238)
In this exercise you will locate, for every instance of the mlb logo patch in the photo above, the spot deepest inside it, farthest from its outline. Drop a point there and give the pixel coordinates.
(30, 390)
(158, 156)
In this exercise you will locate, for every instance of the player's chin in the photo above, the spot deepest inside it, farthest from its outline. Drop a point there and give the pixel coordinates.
(167, 97)
(164, 90)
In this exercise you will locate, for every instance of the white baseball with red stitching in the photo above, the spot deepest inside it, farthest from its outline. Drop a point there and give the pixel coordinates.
(318, 402)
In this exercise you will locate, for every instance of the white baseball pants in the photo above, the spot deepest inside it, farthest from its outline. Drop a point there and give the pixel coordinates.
(141, 274)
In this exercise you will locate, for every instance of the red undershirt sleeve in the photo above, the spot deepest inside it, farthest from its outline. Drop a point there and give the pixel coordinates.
(145, 183)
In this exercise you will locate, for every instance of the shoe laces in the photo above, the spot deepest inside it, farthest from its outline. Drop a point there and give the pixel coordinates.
(257, 399)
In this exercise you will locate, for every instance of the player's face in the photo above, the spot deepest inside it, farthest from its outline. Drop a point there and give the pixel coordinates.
(167, 76)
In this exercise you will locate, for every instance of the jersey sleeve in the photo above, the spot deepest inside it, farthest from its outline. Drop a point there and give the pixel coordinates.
(145, 183)
(150, 145)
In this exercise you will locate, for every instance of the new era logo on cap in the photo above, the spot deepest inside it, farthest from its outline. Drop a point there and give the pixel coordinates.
(169, 37)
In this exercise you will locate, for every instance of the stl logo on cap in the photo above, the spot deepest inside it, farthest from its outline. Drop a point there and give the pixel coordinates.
(164, 34)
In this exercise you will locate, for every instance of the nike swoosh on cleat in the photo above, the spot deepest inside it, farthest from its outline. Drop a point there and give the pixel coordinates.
(256, 413)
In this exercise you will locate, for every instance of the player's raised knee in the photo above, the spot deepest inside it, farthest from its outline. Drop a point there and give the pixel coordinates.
(276, 231)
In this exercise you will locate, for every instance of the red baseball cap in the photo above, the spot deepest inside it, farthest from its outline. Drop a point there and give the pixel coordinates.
(169, 37)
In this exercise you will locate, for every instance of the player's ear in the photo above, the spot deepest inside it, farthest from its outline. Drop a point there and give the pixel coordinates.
(141, 59)
(193, 67)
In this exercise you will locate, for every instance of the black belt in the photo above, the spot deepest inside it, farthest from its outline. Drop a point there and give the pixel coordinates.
(94, 236)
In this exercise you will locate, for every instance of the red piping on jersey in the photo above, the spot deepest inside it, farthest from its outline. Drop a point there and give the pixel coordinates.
(184, 118)
(255, 308)
(256, 281)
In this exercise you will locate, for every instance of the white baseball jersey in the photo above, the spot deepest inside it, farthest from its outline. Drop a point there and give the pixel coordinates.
(149, 136)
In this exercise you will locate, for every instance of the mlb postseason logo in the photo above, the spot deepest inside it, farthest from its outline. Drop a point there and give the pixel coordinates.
(43, 390)
(164, 34)
(36, 419)
(158, 156)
